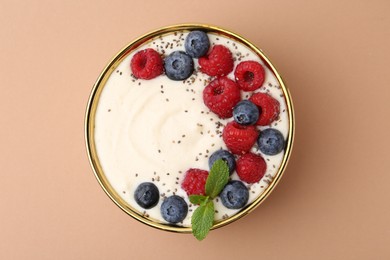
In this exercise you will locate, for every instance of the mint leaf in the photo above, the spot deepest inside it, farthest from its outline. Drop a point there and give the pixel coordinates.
(198, 199)
(203, 217)
(217, 179)
(202, 220)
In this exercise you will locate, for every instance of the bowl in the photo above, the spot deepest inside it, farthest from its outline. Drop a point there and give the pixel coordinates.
(112, 68)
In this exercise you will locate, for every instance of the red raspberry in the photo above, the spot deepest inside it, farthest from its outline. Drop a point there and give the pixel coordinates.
(147, 64)
(194, 182)
(268, 108)
(238, 138)
(221, 95)
(251, 167)
(219, 62)
(249, 75)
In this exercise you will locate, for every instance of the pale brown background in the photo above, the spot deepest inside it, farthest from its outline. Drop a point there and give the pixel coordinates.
(333, 201)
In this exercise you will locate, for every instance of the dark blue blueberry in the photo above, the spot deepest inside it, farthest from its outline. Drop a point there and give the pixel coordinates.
(246, 113)
(147, 195)
(197, 44)
(226, 156)
(174, 209)
(270, 141)
(178, 65)
(235, 195)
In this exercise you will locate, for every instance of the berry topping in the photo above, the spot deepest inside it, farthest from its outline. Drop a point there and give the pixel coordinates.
(197, 44)
(235, 195)
(249, 75)
(251, 167)
(194, 182)
(146, 64)
(225, 156)
(178, 65)
(219, 62)
(239, 139)
(270, 141)
(221, 95)
(268, 107)
(147, 195)
(246, 113)
(174, 209)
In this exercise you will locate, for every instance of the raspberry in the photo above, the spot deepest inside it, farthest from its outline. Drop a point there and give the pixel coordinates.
(251, 167)
(194, 182)
(146, 64)
(268, 107)
(219, 62)
(238, 138)
(221, 95)
(249, 75)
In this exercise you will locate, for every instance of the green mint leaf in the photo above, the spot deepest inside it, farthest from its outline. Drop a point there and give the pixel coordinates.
(202, 220)
(198, 199)
(217, 179)
(203, 217)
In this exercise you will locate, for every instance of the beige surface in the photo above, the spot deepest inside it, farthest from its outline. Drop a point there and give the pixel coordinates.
(333, 201)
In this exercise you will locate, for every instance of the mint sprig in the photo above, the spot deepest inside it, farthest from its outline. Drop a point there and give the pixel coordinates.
(203, 217)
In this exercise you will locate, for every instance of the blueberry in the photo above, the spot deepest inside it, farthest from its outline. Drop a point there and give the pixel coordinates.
(147, 195)
(174, 209)
(270, 141)
(246, 113)
(224, 155)
(235, 195)
(178, 65)
(197, 44)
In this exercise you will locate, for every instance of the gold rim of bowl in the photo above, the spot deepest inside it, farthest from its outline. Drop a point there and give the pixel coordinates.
(94, 100)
